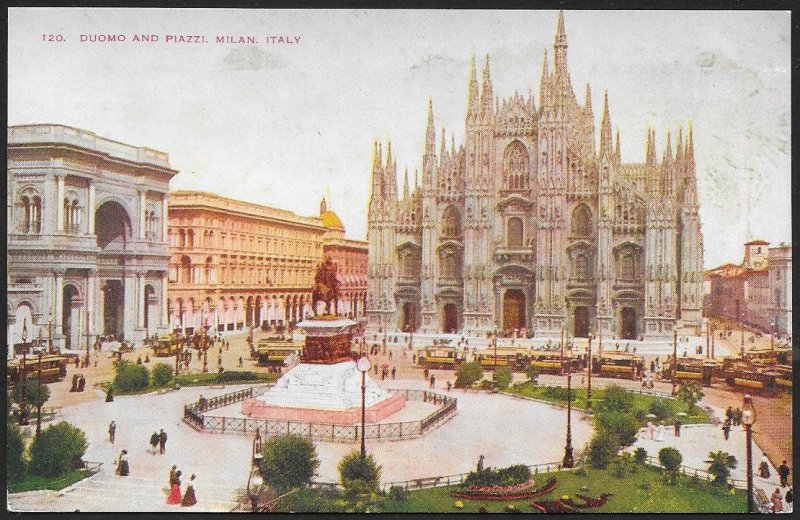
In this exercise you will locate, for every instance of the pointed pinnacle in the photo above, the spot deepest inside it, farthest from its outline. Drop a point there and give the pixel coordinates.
(430, 111)
(561, 33)
(472, 76)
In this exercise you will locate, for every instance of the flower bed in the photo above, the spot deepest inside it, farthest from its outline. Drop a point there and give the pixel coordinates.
(523, 491)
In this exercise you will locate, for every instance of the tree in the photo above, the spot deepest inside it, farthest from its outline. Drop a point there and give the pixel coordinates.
(15, 448)
(623, 426)
(288, 462)
(602, 449)
(161, 374)
(616, 399)
(58, 450)
(502, 377)
(661, 409)
(690, 394)
(36, 393)
(130, 377)
(467, 374)
(670, 459)
(359, 475)
(640, 455)
(532, 371)
(720, 464)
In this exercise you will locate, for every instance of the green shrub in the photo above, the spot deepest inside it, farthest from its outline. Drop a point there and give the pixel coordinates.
(398, 493)
(661, 409)
(516, 474)
(623, 426)
(15, 449)
(532, 371)
(243, 375)
(720, 464)
(690, 394)
(288, 462)
(640, 455)
(130, 377)
(602, 449)
(359, 476)
(57, 450)
(502, 377)
(616, 399)
(670, 459)
(555, 393)
(467, 374)
(161, 374)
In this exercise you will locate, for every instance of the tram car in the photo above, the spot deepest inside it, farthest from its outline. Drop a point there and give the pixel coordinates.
(778, 356)
(626, 365)
(53, 368)
(550, 362)
(515, 358)
(441, 356)
(698, 369)
(783, 377)
(166, 346)
(751, 377)
(273, 352)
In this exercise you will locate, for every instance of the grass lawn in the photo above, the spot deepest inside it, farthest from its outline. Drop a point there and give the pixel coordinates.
(641, 492)
(34, 482)
(201, 379)
(640, 402)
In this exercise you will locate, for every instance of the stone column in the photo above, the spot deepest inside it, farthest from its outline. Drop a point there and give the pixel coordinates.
(10, 338)
(164, 218)
(141, 298)
(90, 210)
(58, 291)
(91, 279)
(129, 312)
(164, 317)
(142, 211)
(60, 202)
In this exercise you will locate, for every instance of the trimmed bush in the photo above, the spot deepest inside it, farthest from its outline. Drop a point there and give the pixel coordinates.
(161, 374)
(15, 448)
(616, 399)
(58, 450)
(467, 374)
(556, 393)
(512, 475)
(661, 409)
(359, 476)
(640, 455)
(398, 493)
(502, 377)
(670, 459)
(623, 426)
(602, 449)
(130, 377)
(242, 375)
(720, 464)
(532, 371)
(288, 462)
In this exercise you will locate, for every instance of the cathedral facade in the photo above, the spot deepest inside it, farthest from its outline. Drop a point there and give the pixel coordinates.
(528, 226)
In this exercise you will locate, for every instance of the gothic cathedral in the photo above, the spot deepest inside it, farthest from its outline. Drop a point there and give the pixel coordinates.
(528, 226)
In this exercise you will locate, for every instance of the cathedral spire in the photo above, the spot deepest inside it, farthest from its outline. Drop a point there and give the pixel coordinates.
(690, 151)
(430, 132)
(605, 129)
(543, 98)
(679, 147)
(560, 45)
(416, 181)
(587, 103)
(651, 147)
(473, 98)
(322, 206)
(617, 154)
(668, 149)
(405, 185)
(486, 88)
(453, 144)
(443, 151)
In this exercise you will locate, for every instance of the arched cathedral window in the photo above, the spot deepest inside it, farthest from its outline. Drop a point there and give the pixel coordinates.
(451, 223)
(30, 204)
(514, 233)
(515, 166)
(581, 221)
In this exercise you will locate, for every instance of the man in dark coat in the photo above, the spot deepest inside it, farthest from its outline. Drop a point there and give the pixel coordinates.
(162, 441)
(783, 473)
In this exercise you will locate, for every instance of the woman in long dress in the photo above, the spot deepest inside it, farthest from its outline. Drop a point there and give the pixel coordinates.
(188, 498)
(123, 469)
(660, 433)
(763, 468)
(175, 490)
(650, 430)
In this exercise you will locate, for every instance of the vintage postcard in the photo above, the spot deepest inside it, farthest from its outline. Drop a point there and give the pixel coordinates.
(399, 261)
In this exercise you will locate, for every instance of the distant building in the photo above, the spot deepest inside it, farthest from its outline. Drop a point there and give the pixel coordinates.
(87, 236)
(236, 265)
(755, 291)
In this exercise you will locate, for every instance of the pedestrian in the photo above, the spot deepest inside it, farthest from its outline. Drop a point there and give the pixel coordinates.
(172, 473)
(783, 473)
(175, 490)
(123, 469)
(146, 358)
(677, 427)
(660, 433)
(650, 430)
(729, 413)
(726, 428)
(76, 362)
(777, 501)
(74, 387)
(413, 359)
(241, 362)
(426, 372)
(737, 417)
(433, 381)
(394, 372)
(188, 498)
(139, 360)
(383, 373)
(449, 385)
(763, 468)
(258, 440)
(154, 442)
(789, 500)
(81, 384)
(162, 441)
(112, 429)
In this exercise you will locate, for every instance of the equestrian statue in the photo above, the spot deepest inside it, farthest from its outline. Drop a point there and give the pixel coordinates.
(326, 286)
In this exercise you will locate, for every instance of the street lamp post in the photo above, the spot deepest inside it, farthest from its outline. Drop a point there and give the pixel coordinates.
(39, 398)
(23, 412)
(674, 359)
(363, 366)
(748, 418)
(772, 335)
(589, 388)
(711, 326)
(50, 333)
(708, 339)
(568, 461)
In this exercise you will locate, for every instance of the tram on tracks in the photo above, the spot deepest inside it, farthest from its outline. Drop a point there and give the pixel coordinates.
(53, 368)
(273, 352)
(515, 359)
(441, 357)
(551, 362)
(166, 346)
(626, 365)
(701, 370)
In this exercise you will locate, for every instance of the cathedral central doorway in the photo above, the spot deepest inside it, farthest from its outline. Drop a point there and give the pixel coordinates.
(580, 326)
(628, 323)
(68, 294)
(113, 307)
(513, 310)
(450, 318)
(409, 318)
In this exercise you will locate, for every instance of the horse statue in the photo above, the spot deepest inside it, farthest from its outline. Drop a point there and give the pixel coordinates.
(326, 286)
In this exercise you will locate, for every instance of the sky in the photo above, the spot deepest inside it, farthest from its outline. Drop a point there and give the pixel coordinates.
(281, 123)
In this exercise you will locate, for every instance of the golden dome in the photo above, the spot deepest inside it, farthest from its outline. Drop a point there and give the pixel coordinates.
(331, 220)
